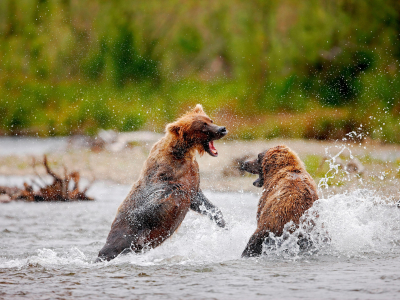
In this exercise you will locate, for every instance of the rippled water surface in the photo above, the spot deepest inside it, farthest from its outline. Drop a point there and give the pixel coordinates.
(47, 252)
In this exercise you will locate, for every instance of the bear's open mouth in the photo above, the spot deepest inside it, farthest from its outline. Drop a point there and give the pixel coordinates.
(210, 149)
(215, 133)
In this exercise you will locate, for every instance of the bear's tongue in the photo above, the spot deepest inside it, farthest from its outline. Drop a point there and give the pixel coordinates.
(212, 148)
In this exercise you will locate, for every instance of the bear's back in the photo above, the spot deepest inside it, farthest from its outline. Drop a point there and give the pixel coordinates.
(286, 197)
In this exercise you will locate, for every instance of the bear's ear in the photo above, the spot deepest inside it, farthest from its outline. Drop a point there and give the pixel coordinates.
(174, 128)
(198, 109)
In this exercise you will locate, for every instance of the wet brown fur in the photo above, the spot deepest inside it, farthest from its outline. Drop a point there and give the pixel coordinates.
(167, 188)
(288, 191)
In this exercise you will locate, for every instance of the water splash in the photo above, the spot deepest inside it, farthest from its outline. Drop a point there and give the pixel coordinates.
(333, 167)
(353, 224)
(49, 258)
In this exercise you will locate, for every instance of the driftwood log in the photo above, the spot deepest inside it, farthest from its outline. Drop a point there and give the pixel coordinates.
(63, 188)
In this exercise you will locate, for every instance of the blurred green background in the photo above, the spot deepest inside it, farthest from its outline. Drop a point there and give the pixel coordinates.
(295, 69)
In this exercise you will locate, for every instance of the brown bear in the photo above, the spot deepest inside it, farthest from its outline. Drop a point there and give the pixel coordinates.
(288, 191)
(167, 188)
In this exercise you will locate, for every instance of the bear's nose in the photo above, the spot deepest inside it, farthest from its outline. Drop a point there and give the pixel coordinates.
(222, 130)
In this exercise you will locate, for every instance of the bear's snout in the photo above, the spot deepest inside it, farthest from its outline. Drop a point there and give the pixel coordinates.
(219, 132)
(222, 130)
(252, 166)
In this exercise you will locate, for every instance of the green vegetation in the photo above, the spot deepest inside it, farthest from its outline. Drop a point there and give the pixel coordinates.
(296, 69)
(315, 166)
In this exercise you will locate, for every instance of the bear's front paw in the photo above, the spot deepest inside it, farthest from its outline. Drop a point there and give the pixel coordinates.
(219, 219)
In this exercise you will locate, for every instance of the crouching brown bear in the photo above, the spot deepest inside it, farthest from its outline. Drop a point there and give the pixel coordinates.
(167, 188)
(288, 191)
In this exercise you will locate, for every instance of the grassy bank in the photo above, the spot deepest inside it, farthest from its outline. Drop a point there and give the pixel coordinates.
(80, 108)
(315, 69)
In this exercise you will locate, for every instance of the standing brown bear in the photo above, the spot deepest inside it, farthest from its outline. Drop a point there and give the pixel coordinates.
(288, 191)
(167, 187)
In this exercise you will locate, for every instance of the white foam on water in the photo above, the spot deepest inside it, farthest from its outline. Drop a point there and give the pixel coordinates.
(49, 258)
(352, 224)
(359, 222)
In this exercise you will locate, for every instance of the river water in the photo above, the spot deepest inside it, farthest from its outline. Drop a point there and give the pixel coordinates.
(47, 252)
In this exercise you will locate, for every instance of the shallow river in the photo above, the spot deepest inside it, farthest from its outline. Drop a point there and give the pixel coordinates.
(47, 252)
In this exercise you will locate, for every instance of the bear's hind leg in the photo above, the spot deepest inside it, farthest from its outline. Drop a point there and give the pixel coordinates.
(255, 245)
(119, 240)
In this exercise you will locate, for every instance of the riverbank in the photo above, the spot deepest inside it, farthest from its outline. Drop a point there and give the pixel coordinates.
(380, 163)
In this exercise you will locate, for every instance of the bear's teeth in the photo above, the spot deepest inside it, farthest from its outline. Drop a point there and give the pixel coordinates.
(212, 148)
